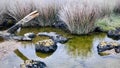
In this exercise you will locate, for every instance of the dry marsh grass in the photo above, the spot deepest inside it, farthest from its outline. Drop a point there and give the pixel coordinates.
(79, 18)
(79, 15)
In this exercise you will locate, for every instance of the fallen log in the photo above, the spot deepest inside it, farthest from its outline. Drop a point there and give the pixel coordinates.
(27, 18)
(18, 25)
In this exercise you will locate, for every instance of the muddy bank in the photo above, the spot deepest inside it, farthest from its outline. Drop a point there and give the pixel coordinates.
(7, 47)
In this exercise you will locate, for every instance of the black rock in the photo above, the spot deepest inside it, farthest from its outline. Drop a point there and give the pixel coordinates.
(55, 37)
(98, 29)
(21, 38)
(104, 46)
(60, 25)
(33, 64)
(30, 35)
(46, 46)
(117, 49)
(59, 38)
(114, 34)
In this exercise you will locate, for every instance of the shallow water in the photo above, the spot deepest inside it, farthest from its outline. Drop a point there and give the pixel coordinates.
(79, 52)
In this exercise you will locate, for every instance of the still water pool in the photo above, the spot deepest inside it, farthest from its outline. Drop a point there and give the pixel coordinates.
(78, 52)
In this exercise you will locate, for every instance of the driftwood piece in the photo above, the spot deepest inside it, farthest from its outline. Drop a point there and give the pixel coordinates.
(14, 28)
(27, 18)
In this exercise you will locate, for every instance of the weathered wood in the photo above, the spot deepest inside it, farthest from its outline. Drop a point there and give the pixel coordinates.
(15, 27)
(27, 18)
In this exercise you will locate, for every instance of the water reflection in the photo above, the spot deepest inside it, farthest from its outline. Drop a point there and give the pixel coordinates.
(18, 53)
(81, 45)
(1, 39)
(79, 52)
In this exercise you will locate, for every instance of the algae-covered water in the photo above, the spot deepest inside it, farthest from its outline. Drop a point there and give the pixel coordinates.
(78, 52)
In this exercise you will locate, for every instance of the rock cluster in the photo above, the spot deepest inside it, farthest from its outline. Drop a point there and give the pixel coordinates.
(104, 46)
(54, 36)
(27, 37)
(49, 45)
(46, 46)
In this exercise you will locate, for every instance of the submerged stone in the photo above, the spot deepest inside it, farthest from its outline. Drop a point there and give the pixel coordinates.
(21, 38)
(55, 37)
(30, 35)
(46, 46)
(106, 46)
(115, 34)
(33, 64)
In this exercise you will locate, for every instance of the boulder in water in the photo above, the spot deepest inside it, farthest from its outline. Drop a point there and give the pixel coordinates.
(46, 46)
(30, 35)
(106, 46)
(21, 38)
(54, 36)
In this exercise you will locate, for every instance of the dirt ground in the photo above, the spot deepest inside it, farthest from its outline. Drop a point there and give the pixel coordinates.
(7, 47)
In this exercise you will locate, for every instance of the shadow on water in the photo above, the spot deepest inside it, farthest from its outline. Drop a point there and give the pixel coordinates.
(78, 52)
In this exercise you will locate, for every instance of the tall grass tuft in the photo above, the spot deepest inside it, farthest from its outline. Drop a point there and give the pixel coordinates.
(105, 7)
(79, 17)
(48, 12)
(19, 8)
(2, 10)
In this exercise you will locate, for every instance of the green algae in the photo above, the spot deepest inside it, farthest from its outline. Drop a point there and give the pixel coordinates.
(77, 46)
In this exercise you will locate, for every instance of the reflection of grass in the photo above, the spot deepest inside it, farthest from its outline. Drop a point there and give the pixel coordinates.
(43, 55)
(78, 45)
(104, 54)
(1, 39)
(81, 45)
(18, 53)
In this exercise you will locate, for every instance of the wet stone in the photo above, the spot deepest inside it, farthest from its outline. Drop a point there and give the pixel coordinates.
(54, 36)
(106, 46)
(46, 46)
(114, 34)
(30, 35)
(60, 25)
(33, 64)
(21, 38)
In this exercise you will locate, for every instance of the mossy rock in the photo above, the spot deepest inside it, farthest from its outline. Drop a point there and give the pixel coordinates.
(46, 46)
(104, 46)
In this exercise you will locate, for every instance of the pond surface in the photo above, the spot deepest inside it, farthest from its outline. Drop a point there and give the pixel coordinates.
(78, 52)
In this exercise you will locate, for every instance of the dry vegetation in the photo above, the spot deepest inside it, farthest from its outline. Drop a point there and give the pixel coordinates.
(79, 15)
(79, 18)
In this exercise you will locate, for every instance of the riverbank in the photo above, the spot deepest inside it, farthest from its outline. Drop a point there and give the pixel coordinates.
(7, 47)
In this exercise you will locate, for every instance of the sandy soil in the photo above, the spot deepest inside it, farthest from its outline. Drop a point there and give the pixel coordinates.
(7, 47)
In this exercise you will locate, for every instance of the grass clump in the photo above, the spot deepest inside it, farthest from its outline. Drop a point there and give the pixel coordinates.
(19, 9)
(79, 17)
(48, 12)
(109, 23)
